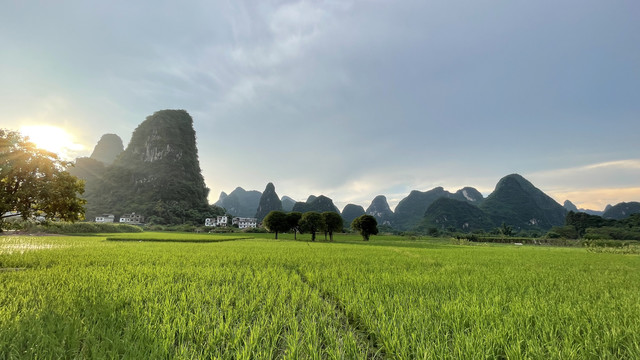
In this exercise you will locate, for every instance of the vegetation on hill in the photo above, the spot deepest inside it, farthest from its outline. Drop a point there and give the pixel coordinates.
(87, 169)
(351, 211)
(581, 225)
(241, 202)
(380, 210)
(622, 210)
(410, 210)
(468, 194)
(516, 202)
(445, 213)
(287, 203)
(158, 175)
(269, 201)
(316, 203)
(107, 149)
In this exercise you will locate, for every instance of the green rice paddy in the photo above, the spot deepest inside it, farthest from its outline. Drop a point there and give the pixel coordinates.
(231, 297)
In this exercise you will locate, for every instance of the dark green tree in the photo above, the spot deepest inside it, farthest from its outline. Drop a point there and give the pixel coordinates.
(275, 222)
(333, 222)
(366, 225)
(293, 219)
(311, 222)
(34, 182)
(506, 230)
(582, 221)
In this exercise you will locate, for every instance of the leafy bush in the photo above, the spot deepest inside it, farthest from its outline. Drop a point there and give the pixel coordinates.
(257, 230)
(612, 233)
(566, 232)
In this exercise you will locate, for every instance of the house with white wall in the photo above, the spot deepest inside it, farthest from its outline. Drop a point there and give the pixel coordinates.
(132, 218)
(244, 223)
(105, 218)
(219, 221)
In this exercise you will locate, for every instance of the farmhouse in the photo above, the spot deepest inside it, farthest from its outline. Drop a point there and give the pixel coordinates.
(132, 218)
(220, 221)
(105, 218)
(244, 223)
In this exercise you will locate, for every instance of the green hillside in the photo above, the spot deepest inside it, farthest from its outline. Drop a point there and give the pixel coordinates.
(447, 213)
(516, 202)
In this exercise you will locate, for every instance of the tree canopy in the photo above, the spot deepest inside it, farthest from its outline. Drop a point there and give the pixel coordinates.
(366, 225)
(34, 182)
(276, 222)
(311, 222)
(293, 218)
(332, 222)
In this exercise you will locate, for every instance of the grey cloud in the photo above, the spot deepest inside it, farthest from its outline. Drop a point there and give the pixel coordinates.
(362, 90)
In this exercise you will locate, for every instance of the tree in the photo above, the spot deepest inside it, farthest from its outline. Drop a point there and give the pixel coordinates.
(34, 182)
(311, 222)
(276, 221)
(366, 225)
(293, 218)
(333, 222)
(506, 230)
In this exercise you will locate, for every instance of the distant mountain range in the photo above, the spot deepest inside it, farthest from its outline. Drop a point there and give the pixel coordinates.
(515, 202)
(158, 174)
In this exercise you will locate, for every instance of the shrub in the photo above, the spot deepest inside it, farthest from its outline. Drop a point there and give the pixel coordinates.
(256, 230)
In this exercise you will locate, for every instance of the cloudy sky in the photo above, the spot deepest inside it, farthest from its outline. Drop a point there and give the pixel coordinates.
(350, 99)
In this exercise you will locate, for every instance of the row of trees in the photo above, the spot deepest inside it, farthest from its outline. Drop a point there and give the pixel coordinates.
(313, 222)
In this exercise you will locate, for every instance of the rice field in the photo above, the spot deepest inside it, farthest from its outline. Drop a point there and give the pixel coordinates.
(184, 296)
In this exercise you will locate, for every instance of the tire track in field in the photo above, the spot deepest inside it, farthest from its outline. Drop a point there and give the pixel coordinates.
(365, 338)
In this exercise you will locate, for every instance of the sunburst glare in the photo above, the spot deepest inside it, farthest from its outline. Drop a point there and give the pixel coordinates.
(52, 138)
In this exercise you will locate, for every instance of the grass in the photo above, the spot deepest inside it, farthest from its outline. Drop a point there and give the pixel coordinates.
(175, 237)
(258, 298)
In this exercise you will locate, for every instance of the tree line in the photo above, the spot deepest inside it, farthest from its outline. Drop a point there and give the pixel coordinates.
(313, 222)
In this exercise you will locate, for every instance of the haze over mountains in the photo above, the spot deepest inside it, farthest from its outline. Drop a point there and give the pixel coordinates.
(159, 175)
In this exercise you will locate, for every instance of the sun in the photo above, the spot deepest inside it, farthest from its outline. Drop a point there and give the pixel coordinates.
(52, 138)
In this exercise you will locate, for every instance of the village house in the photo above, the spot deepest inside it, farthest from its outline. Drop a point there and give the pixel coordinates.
(220, 221)
(132, 218)
(244, 223)
(105, 218)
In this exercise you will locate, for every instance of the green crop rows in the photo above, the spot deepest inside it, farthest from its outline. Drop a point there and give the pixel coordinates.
(85, 297)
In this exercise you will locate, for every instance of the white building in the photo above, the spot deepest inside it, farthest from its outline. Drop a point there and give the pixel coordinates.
(132, 218)
(105, 218)
(244, 223)
(217, 221)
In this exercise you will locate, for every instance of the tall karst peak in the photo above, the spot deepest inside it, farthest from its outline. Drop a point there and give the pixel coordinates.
(269, 201)
(622, 210)
(410, 210)
(164, 136)
(446, 213)
(570, 206)
(468, 194)
(515, 201)
(158, 174)
(316, 203)
(350, 212)
(287, 203)
(241, 202)
(379, 209)
(107, 149)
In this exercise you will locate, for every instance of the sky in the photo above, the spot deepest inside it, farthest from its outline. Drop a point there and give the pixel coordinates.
(350, 99)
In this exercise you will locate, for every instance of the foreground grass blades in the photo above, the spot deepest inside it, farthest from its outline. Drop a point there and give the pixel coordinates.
(84, 297)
